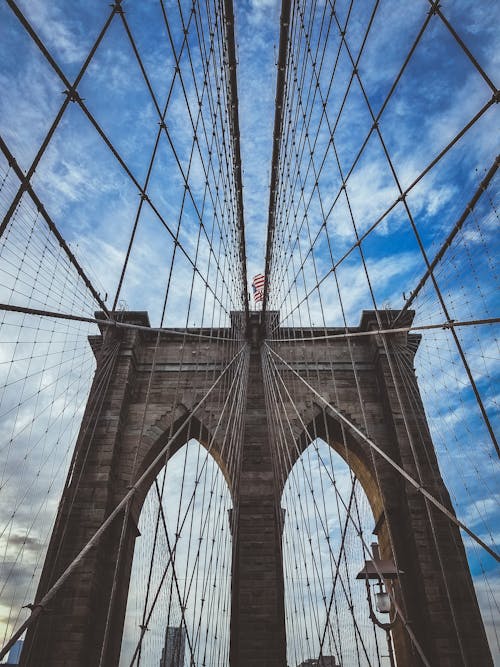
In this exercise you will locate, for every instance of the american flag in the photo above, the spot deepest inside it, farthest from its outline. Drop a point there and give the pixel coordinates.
(258, 287)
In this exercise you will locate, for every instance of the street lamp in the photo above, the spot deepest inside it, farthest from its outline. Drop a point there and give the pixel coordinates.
(383, 600)
(381, 571)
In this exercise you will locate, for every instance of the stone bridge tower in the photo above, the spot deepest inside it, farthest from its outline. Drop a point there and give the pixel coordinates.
(436, 589)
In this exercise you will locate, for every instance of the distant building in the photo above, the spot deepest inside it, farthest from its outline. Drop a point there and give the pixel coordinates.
(324, 661)
(175, 646)
(14, 654)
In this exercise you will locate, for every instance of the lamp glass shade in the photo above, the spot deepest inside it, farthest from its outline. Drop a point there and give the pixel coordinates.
(383, 602)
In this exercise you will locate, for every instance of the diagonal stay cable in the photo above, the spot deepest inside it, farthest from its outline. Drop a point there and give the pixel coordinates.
(38, 608)
(53, 228)
(337, 565)
(436, 9)
(50, 133)
(449, 239)
(391, 461)
(324, 115)
(339, 497)
(325, 98)
(76, 98)
(336, 560)
(420, 243)
(236, 158)
(230, 395)
(430, 166)
(148, 176)
(396, 201)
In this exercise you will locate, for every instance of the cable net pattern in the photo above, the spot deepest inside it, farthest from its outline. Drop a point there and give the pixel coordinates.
(383, 197)
(122, 193)
(121, 190)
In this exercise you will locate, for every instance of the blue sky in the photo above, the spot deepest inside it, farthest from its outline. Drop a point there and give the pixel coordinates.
(90, 197)
(94, 203)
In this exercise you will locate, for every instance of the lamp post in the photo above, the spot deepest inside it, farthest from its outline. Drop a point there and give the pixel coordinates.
(381, 571)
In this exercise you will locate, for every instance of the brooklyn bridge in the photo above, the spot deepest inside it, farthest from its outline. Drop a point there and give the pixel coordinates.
(249, 327)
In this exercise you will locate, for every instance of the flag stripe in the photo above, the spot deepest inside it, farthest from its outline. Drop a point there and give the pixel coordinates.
(258, 282)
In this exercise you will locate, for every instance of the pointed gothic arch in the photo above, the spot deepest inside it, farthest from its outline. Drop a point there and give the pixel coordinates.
(326, 613)
(355, 453)
(187, 426)
(87, 615)
(115, 446)
(401, 518)
(174, 562)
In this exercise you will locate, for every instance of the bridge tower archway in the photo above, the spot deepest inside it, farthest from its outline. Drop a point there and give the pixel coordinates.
(441, 612)
(180, 580)
(127, 429)
(440, 617)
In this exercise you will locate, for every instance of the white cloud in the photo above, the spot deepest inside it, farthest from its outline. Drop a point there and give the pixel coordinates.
(92, 201)
(61, 32)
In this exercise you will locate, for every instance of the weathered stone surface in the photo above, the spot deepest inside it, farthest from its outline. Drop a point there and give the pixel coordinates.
(436, 590)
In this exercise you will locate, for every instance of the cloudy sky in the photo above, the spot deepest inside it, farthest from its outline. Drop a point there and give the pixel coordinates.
(94, 203)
